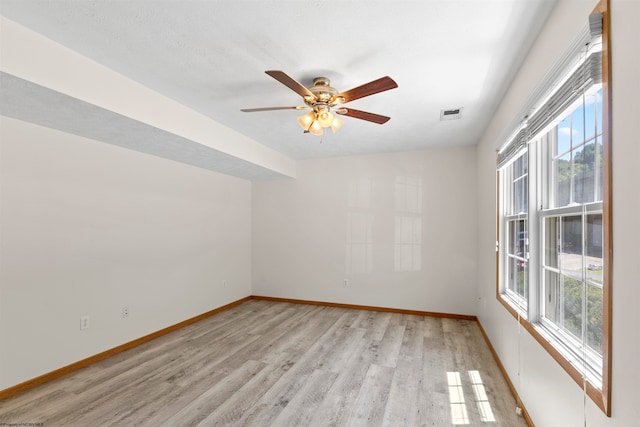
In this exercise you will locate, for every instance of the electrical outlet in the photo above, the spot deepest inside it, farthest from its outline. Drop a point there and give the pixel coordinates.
(84, 322)
(125, 311)
(346, 283)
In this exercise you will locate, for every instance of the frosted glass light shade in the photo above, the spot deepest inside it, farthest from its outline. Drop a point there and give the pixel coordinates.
(336, 124)
(306, 120)
(315, 128)
(325, 119)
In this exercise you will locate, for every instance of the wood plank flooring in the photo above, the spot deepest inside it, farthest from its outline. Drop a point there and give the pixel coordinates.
(266, 363)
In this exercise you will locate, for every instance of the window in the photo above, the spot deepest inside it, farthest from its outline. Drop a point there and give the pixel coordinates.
(572, 233)
(554, 229)
(516, 208)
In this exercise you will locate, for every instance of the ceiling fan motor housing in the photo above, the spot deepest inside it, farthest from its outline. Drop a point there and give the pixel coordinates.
(322, 90)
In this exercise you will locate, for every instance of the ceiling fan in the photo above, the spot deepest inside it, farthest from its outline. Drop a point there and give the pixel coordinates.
(322, 99)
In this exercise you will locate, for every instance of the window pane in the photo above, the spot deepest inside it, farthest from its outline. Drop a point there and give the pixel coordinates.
(518, 277)
(584, 174)
(563, 180)
(551, 242)
(525, 194)
(517, 168)
(521, 242)
(517, 258)
(572, 305)
(512, 237)
(519, 187)
(594, 237)
(599, 112)
(551, 296)
(564, 293)
(563, 141)
(590, 116)
(594, 248)
(521, 278)
(518, 197)
(598, 165)
(512, 274)
(518, 239)
(571, 241)
(577, 123)
(594, 316)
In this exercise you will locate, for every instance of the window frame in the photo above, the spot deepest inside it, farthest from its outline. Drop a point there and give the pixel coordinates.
(520, 302)
(530, 317)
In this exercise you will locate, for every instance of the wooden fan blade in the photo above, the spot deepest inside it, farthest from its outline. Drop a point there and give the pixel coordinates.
(363, 115)
(376, 86)
(283, 78)
(254, 110)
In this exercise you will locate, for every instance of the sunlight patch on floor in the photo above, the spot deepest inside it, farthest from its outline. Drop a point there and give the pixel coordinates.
(457, 402)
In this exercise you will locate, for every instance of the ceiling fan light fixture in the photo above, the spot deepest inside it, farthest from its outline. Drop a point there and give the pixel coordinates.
(315, 128)
(325, 118)
(321, 99)
(336, 124)
(305, 121)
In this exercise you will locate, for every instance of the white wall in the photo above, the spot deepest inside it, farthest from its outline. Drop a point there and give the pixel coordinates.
(88, 227)
(550, 396)
(55, 67)
(337, 220)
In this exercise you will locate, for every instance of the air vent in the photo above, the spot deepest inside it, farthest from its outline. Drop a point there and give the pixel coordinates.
(452, 114)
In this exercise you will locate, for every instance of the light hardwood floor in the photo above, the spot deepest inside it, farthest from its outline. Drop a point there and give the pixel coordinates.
(268, 363)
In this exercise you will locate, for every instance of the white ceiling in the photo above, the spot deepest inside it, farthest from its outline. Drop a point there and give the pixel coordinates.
(211, 56)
